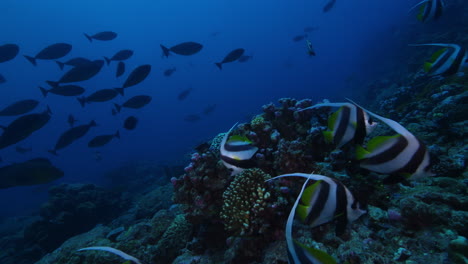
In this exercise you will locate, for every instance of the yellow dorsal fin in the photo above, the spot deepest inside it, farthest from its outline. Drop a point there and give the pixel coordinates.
(376, 142)
(328, 136)
(361, 153)
(332, 119)
(317, 254)
(437, 54)
(301, 211)
(239, 138)
(309, 192)
(427, 66)
(421, 12)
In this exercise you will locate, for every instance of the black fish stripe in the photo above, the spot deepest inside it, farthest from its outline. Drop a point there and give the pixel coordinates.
(388, 154)
(342, 124)
(340, 209)
(244, 164)
(455, 66)
(300, 253)
(416, 160)
(320, 202)
(360, 133)
(237, 148)
(442, 60)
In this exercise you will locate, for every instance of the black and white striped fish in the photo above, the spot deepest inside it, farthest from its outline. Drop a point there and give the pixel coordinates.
(429, 10)
(447, 61)
(403, 156)
(237, 152)
(349, 123)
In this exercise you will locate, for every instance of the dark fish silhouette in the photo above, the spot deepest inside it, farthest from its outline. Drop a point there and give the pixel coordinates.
(64, 90)
(31, 172)
(232, 56)
(135, 102)
(138, 75)
(71, 120)
(329, 6)
(103, 95)
(245, 58)
(102, 140)
(169, 72)
(19, 108)
(80, 73)
(22, 150)
(299, 38)
(120, 69)
(8, 52)
(23, 127)
(209, 109)
(103, 36)
(75, 62)
(71, 135)
(185, 48)
(52, 52)
(182, 95)
(130, 123)
(192, 118)
(120, 56)
(2, 79)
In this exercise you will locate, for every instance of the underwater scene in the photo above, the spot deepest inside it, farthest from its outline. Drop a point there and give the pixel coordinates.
(256, 132)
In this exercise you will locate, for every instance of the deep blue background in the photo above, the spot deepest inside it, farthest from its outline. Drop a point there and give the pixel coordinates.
(353, 41)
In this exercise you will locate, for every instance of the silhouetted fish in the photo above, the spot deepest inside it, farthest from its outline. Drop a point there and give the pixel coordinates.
(182, 95)
(102, 140)
(120, 69)
(64, 90)
(192, 118)
(130, 123)
(22, 150)
(103, 95)
(245, 58)
(135, 102)
(31, 172)
(52, 52)
(2, 79)
(19, 108)
(75, 62)
(232, 56)
(169, 72)
(185, 48)
(8, 52)
(103, 36)
(71, 135)
(71, 120)
(138, 75)
(329, 6)
(80, 73)
(23, 127)
(299, 38)
(209, 109)
(120, 56)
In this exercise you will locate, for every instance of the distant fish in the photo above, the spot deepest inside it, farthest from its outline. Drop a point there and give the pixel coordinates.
(75, 62)
(71, 120)
(52, 52)
(130, 123)
(8, 52)
(447, 61)
(182, 95)
(120, 56)
(232, 56)
(138, 75)
(192, 118)
(64, 90)
(2, 79)
(71, 135)
(31, 172)
(135, 102)
(23, 127)
(102, 140)
(209, 109)
(22, 150)
(102, 95)
(299, 38)
(429, 10)
(310, 29)
(329, 6)
(169, 72)
(103, 36)
(79, 73)
(19, 108)
(310, 49)
(237, 152)
(120, 69)
(185, 48)
(245, 58)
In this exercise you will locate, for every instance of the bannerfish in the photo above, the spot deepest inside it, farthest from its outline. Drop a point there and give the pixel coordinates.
(2, 79)
(130, 123)
(402, 156)
(237, 152)
(102, 140)
(31, 172)
(64, 90)
(169, 72)
(8, 52)
(120, 69)
(79, 73)
(136, 102)
(138, 75)
(310, 49)
(75, 62)
(19, 108)
(299, 38)
(329, 6)
(182, 95)
(71, 135)
(192, 118)
(102, 95)
(23, 150)
(429, 10)
(120, 56)
(52, 52)
(71, 120)
(447, 61)
(245, 58)
(232, 56)
(23, 127)
(103, 36)
(349, 123)
(185, 48)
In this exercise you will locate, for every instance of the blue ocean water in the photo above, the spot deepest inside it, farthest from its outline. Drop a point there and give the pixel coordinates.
(354, 40)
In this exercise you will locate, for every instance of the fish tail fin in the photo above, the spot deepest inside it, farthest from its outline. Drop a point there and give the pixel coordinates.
(120, 91)
(92, 123)
(52, 84)
(117, 134)
(82, 101)
(60, 64)
(44, 91)
(88, 37)
(31, 59)
(219, 65)
(107, 60)
(53, 152)
(165, 50)
(117, 107)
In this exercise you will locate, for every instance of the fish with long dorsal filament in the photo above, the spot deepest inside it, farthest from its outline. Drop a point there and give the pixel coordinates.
(429, 10)
(447, 61)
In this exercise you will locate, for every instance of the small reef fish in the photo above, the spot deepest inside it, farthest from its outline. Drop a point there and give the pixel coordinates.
(329, 6)
(79, 73)
(310, 49)
(19, 108)
(185, 49)
(103, 95)
(102, 36)
(120, 69)
(71, 135)
(52, 52)
(299, 38)
(114, 251)
(182, 95)
(31, 172)
(169, 72)
(402, 156)
(230, 57)
(130, 123)
(447, 61)
(237, 152)
(136, 102)
(64, 90)
(429, 10)
(102, 140)
(73, 62)
(120, 56)
(138, 75)
(71, 120)
(8, 52)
